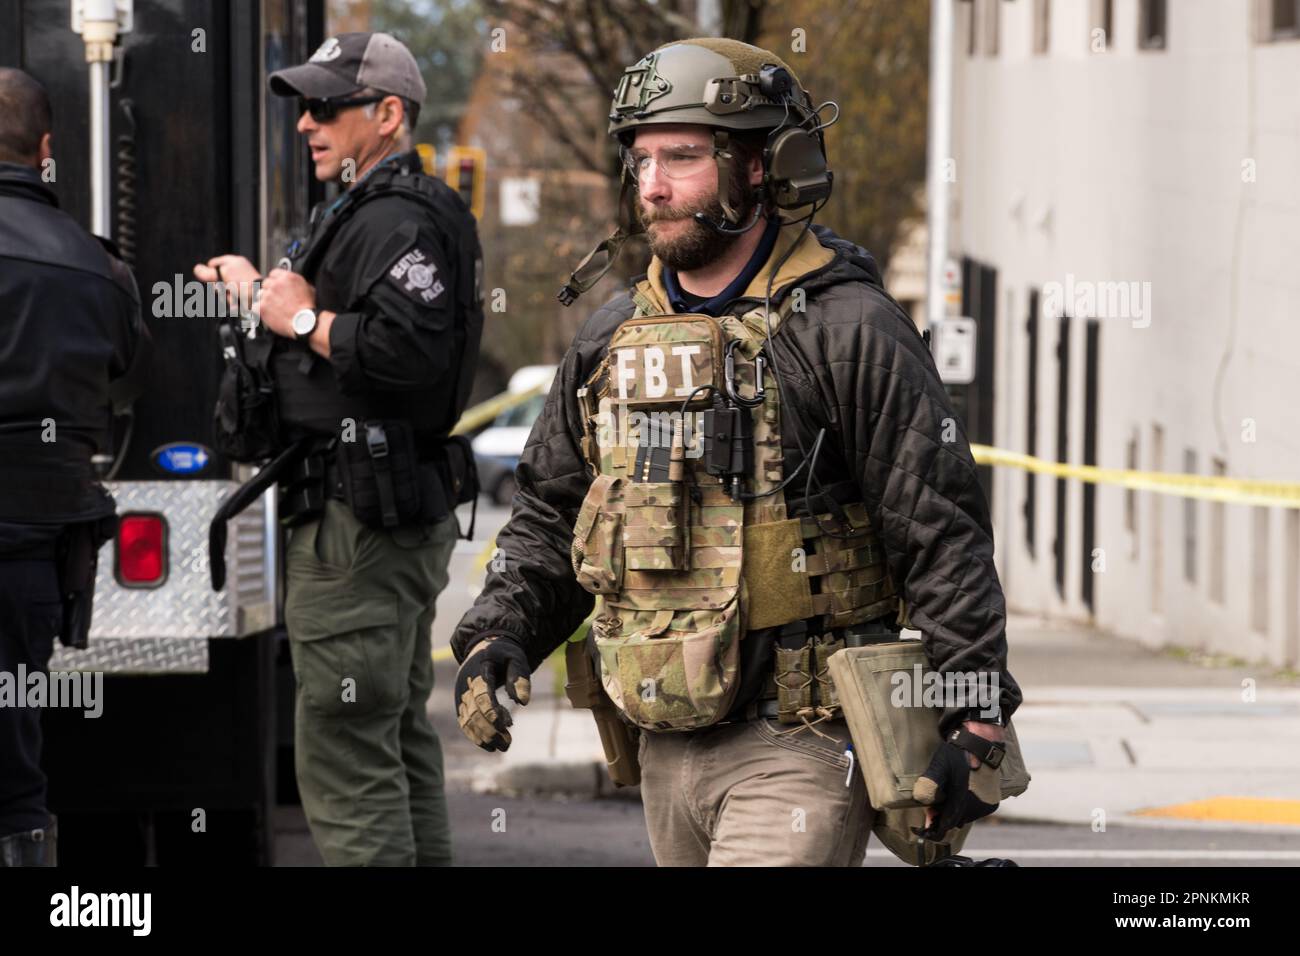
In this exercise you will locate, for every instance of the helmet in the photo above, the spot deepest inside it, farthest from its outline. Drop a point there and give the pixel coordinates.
(732, 87)
(711, 81)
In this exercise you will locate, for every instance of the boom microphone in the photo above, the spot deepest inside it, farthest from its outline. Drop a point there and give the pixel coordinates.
(724, 228)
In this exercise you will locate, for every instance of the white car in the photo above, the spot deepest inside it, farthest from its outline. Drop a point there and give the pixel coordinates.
(497, 448)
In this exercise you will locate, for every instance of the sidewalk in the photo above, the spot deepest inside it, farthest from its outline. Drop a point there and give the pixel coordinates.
(1111, 732)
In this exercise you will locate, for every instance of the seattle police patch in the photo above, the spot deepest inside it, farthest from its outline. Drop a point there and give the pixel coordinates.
(417, 275)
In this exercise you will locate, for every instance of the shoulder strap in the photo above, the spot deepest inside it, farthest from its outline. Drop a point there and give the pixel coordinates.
(412, 185)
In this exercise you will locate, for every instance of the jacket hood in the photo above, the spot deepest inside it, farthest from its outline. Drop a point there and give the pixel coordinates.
(852, 262)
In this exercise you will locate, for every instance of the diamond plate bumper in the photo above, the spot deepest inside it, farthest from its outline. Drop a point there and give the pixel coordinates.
(166, 629)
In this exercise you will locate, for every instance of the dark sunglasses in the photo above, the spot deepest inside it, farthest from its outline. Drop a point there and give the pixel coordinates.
(325, 110)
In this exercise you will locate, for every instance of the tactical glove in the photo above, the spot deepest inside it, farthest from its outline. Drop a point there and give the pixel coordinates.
(959, 794)
(494, 661)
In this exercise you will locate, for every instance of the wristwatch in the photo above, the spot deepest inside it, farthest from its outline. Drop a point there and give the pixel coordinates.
(304, 323)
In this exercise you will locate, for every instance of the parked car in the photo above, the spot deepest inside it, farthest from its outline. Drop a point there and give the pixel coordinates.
(497, 448)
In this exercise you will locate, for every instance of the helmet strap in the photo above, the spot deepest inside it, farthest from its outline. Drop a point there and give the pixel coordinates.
(724, 158)
(591, 270)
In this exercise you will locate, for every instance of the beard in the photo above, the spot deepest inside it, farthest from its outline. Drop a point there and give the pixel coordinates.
(697, 245)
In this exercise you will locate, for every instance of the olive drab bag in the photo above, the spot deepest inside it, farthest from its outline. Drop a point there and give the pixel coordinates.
(680, 567)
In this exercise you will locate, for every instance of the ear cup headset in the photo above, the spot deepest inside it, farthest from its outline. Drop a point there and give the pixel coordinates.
(796, 174)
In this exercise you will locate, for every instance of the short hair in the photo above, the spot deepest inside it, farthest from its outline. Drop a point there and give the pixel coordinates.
(25, 116)
(410, 109)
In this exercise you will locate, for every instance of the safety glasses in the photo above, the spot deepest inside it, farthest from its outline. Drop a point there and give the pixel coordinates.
(326, 110)
(675, 162)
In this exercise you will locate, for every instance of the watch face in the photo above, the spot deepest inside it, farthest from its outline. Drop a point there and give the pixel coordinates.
(304, 322)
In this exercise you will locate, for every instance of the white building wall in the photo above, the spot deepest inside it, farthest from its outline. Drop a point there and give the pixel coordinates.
(1127, 166)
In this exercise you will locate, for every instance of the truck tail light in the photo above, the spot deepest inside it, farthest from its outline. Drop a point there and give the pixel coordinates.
(141, 550)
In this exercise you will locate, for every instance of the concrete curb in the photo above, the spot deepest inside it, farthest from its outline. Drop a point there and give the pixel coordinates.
(583, 780)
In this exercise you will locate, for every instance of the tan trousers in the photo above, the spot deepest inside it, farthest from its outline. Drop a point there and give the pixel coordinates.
(743, 795)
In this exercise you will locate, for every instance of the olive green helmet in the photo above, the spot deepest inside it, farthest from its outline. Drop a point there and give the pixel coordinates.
(732, 87)
(711, 81)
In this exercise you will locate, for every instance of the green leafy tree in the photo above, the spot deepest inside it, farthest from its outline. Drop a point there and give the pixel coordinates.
(872, 58)
(447, 38)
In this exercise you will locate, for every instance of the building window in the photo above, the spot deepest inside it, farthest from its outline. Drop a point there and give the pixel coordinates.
(1130, 494)
(1153, 24)
(1281, 19)
(992, 11)
(1031, 419)
(1157, 524)
(1042, 26)
(1259, 572)
(1101, 32)
(1292, 572)
(1189, 523)
(1218, 537)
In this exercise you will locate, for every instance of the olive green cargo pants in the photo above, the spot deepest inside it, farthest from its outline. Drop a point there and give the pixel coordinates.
(359, 609)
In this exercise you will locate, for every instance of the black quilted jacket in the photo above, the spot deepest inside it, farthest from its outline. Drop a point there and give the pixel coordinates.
(855, 363)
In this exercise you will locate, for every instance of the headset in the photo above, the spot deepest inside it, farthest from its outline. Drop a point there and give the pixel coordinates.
(796, 172)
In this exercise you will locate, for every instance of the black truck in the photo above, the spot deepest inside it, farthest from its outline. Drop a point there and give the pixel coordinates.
(168, 145)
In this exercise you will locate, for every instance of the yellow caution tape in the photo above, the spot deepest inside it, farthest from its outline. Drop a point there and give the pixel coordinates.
(484, 412)
(1237, 491)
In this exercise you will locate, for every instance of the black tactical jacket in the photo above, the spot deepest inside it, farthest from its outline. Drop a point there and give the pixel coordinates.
(70, 331)
(854, 362)
(403, 277)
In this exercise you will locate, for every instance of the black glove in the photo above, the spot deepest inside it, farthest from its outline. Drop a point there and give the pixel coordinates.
(959, 794)
(494, 661)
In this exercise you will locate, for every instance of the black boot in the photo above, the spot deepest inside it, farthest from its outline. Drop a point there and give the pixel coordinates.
(31, 847)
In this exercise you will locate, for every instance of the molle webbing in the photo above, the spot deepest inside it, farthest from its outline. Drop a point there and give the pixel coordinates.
(795, 570)
(687, 550)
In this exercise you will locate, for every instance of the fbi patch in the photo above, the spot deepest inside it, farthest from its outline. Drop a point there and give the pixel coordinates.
(417, 275)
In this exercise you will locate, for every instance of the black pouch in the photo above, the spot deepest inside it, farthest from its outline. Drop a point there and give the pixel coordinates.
(381, 475)
(246, 421)
(460, 478)
(459, 470)
(77, 558)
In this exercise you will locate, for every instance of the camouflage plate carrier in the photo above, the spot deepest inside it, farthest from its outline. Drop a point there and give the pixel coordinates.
(680, 570)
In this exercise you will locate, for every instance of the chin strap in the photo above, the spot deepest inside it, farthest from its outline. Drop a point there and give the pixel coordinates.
(723, 157)
(592, 268)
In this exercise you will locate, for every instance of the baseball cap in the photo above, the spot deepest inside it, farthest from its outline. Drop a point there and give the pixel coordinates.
(348, 62)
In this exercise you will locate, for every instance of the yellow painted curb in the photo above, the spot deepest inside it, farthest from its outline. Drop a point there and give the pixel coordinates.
(1232, 809)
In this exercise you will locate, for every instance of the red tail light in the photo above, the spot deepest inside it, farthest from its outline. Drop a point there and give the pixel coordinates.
(141, 550)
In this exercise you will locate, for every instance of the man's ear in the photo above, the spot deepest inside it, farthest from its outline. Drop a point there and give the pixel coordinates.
(392, 115)
(45, 151)
(756, 170)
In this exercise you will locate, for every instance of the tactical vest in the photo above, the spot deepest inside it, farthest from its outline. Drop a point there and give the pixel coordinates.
(680, 568)
(308, 396)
